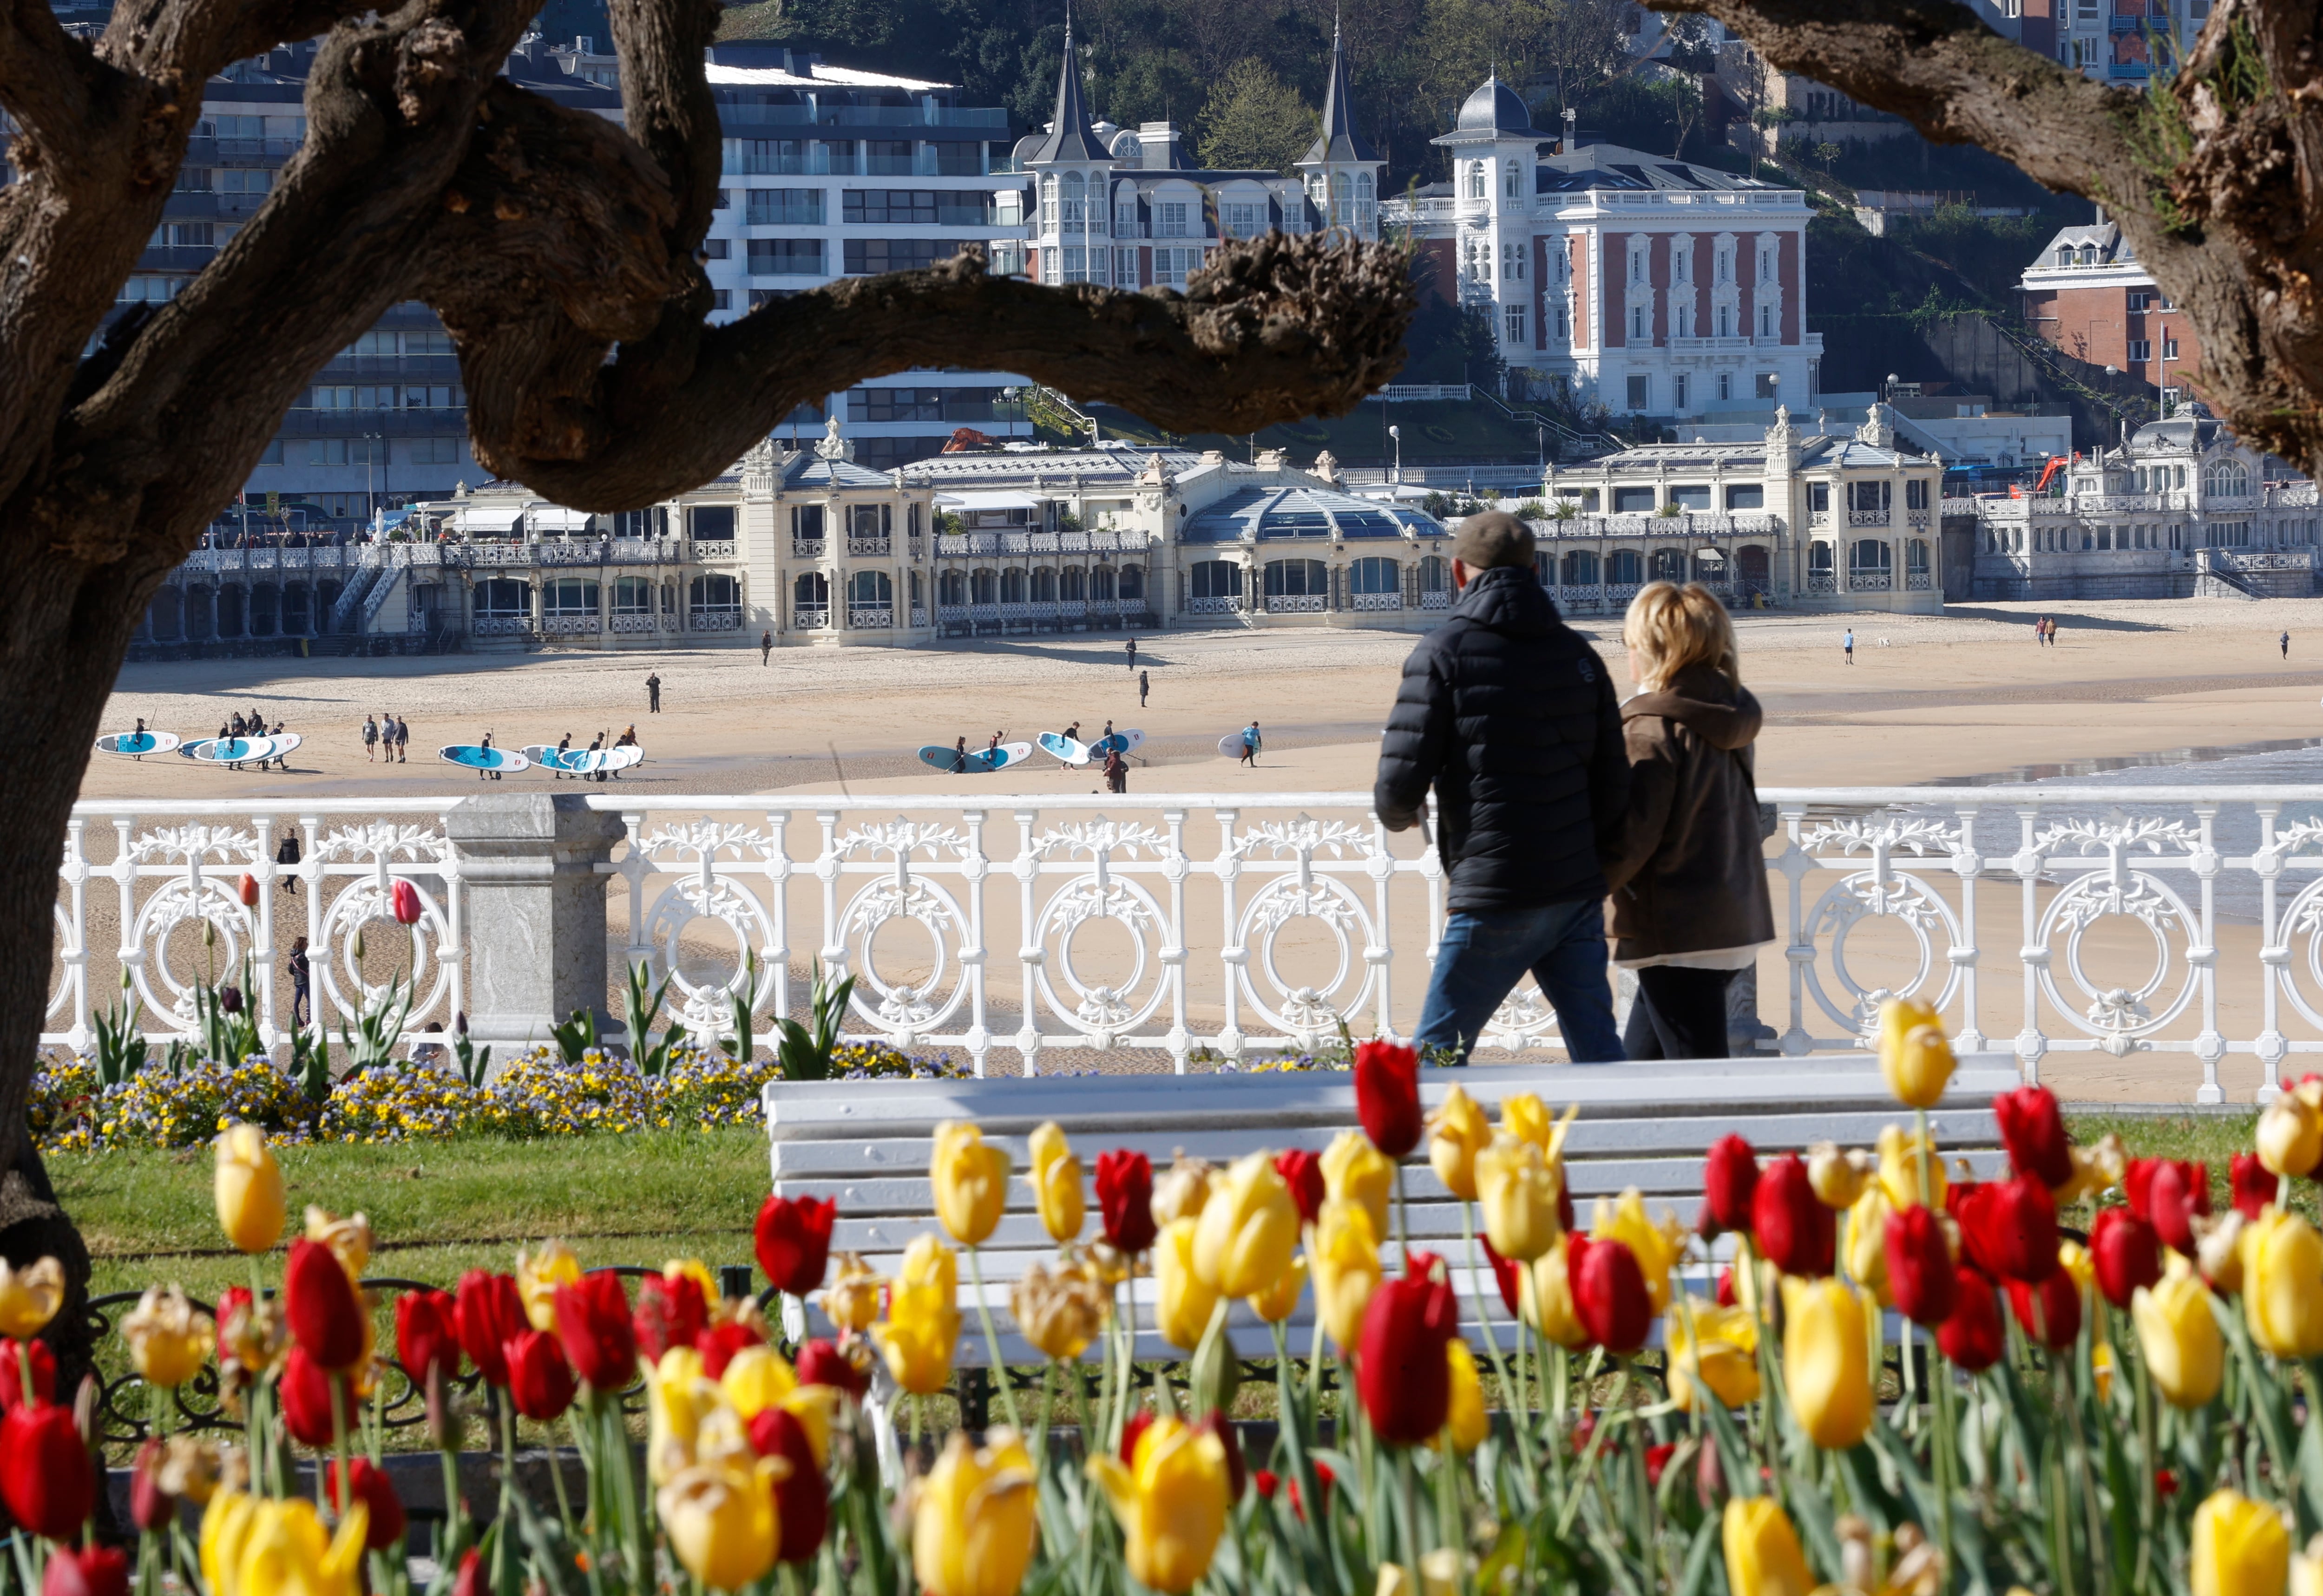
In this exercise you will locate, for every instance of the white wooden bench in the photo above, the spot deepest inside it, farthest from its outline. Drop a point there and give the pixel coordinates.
(865, 1144)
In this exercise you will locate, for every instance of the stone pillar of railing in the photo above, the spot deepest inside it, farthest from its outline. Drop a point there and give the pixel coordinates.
(533, 911)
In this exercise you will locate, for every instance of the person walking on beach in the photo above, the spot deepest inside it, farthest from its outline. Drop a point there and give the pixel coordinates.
(402, 740)
(1130, 648)
(302, 976)
(2285, 640)
(1512, 718)
(288, 856)
(653, 694)
(1848, 643)
(765, 647)
(487, 746)
(2040, 630)
(371, 738)
(994, 746)
(959, 757)
(1686, 872)
(1250, 741)
(2052, 632)
(1116, 772)
(1142, 683)
(280, 763)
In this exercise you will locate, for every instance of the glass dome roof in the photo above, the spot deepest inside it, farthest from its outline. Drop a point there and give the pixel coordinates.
(1253, 514)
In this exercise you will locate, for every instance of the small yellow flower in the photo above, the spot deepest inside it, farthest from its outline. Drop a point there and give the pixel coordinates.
(970, 1177)
(168, 1340)
(30, 1297)
(1456, 1133)
(537, 1276)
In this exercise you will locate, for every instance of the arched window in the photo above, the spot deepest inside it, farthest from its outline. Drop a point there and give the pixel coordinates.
(1623, 568)
(1049, 203)
(1044, 586)
(1072, 585)
(1133, 583)
(1477, 178)
(870, 589)
(982, 587)
(1434, 574)
(1366, 210)
(716, 599)
(1210, 579)
(1071, 218)
(2225, 478)
(1100, 585)
(1374, 576)
(1819, 559)
(812, 591)
(1511, 181)
(1868, 555)
(1341, 193)
(1012, 587)
(951, 589)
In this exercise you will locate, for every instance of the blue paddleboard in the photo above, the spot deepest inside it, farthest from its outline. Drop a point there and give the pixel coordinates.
(1128, 742)
(238, 750)
(975, 762)
(135, 745)
(471, 756)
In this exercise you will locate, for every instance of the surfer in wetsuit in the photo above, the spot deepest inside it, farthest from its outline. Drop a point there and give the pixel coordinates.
(487, 746)
(236, 725)
(959, 757)
(564, 746)
(279, 759)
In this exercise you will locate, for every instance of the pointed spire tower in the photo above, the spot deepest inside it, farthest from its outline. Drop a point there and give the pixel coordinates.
(1340, 169)
(1073, 240)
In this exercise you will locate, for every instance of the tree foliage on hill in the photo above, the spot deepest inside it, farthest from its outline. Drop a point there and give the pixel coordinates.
(1254, 121)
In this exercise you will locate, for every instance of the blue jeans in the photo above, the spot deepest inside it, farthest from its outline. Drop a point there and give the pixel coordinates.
(1484, 956)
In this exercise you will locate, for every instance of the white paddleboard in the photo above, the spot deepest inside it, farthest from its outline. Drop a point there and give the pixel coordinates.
(621, 759)
(1069, 749)
(1230, 745)
(1012, 754)
(1128, 742)
(239, 751)
(472, 757)
(136, 745)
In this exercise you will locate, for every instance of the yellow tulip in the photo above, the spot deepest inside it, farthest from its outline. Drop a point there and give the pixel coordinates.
(1520, 1197)
(1899, 1170)
(168, 1340)
(1525, 1117)
(973, 1528)
(678, 1397)
(348, 1239)
(537, 1276)
(1719, 1346)
(1656, 1244)
(1762, 1550)
(1545, 1299)
(2241, 1548)
(1355, 1172)
(1456, 1133)
(2098, 1166)
(251, 1203)
(1248, 1230)
(722, 1521)
(1059, 1313)
(2306, 1570)
(923, 1319)
(1826, 1361)
(30, 1297)
(851, 1300)
(971, 1181)
(756, 1377)
(1866, 1241)
(1183, 1189)
(1467, 1422)
(816, 1407)
(2179, 1337)
(1439, 1575)
(1057, 1182)
(2290, 1136)
(1170, 1500)
(2282, 1284)
(1184, 1301)
(256, 1546)
(1838, 1178)
(1912, 1052)
(1346, 1263)
(1274, 1304)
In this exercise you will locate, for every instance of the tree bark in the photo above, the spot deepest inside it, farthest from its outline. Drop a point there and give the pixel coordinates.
(2215, 174)
(563, 254)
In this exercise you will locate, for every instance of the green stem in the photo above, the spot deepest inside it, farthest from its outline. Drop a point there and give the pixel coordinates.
(1403, 1238)
(347, 1486)
(1596, 1444)
(1491, 1341)
(508, 1483)
(992, 1344)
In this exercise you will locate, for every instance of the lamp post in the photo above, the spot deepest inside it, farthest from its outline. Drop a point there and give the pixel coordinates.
(1396, 433)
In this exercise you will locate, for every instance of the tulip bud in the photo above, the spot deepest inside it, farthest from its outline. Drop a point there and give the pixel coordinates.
(2126, 1252)
(1922, 1277)
(1899, 1170)
(249, 891)
(366, 1482)
(2033, 1131)
(403, 901)
(2178, 1337)
(820, 1363)
(851, 1301)
(1302, 1172)
(974, 1522)
(1401, 1372)
(1794, 1228)
(1865, 1254)
(1973, 1337)
(792, 1240)
(971, 1182)
(13, 1354)
(305, 1393)
(1730, 1179)
(151, 1507)
(1826, 1362)
(1466, 1423)
(2239, 1547)
(1715, 1348)
(2049, 1310)
(1183, 1300)
(1838, 1178)
(1125, 1199)
(541, 1386)
(30, 1297)
(2289, 1137)
(1346, 1264)
(209, 932)
(2011, 1228)
(1056, 1183)
(490, 1313)
(319, 1300)
(1248, 1230)
(1762, 1550)
(1913, 1053)
(2218, 1250)
(1458, 1133)
(594, 1326)
(2282, 1284)
(923, 1322)
(2252, 1187)
(720, 1520)
(169, 1342)
(1519, 1198)
(2168, 1193)
(1609, 1293)
(355, 946)
(251, 1203)
(672, 1310)
(801, 1498)
(229, 999)
(1354, 1170)
(1387, 1096)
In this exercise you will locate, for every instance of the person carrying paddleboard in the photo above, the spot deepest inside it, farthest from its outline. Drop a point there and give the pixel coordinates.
(487, 746)
(1250, 746)
(959, 757)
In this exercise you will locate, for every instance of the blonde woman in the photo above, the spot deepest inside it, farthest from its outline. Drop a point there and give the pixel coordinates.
(1688, 874)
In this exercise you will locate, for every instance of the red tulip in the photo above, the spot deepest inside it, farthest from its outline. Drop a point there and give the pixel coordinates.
(320, 1304)
(1793, 1227)
(1230, 1438)
(821, 1363)
(1387, 1096)
(1508, 1274)
(87, 1571)
(1133, 1429)
(1302, 1172)
(306, 1392)
(249, 891)
(793, 1241)
(2254, 1187)
(1973, 1336)
(1920, 1268)
(2010, 1229)
(1609, 1293)
(1656, 1460)
(491, 1315)
(801, 1499)
(720, 1343)
(151, 1507)
(2127, 1253)
(2049, 1311)
(1266, 1482)
(12, 1374)
(670, 1313)
(1726, 1295)
(541, 1381)
(427, 1334)
(592, 1321)
(1729, 1181)
(2167, 1193)
(1401, 1372)
(376, 1492)
(46, 1478)
(1124, 1196)
(2033, 1131)
(404, 899)
(470, 1581)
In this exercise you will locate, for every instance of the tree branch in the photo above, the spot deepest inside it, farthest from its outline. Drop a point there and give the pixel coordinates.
(46, 75)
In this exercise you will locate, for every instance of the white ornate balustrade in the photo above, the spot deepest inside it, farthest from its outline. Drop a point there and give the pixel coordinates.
(2041, 920)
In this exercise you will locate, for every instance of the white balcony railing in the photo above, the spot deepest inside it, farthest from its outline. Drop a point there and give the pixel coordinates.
(2097, 919)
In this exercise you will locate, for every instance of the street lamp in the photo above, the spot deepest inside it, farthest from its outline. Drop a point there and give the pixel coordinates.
(1396, 433)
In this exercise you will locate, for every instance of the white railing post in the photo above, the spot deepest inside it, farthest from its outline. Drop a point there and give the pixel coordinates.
(2210, 1046)
(1967, 864)
(1798, 953)
(777, 867)
(976, 960)
(1173, 955)
(75, 953)
(1233, 958)
(2274, 955)
(262, 953)
(2030, 1043)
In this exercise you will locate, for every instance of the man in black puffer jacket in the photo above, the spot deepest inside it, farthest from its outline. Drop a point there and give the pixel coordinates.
(1513, 719)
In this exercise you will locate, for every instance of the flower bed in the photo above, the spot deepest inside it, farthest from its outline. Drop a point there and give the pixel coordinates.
(539, 1094)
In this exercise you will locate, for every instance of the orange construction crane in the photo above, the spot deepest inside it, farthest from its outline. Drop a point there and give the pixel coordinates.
(2056, 463)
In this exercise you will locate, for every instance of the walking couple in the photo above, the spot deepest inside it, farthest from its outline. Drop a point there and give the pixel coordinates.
(1553, 799)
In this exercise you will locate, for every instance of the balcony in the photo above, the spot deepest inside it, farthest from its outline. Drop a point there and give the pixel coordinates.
(871, 617)
(810, 618)
(878, 546)
(1867, 517)
(808, 548)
